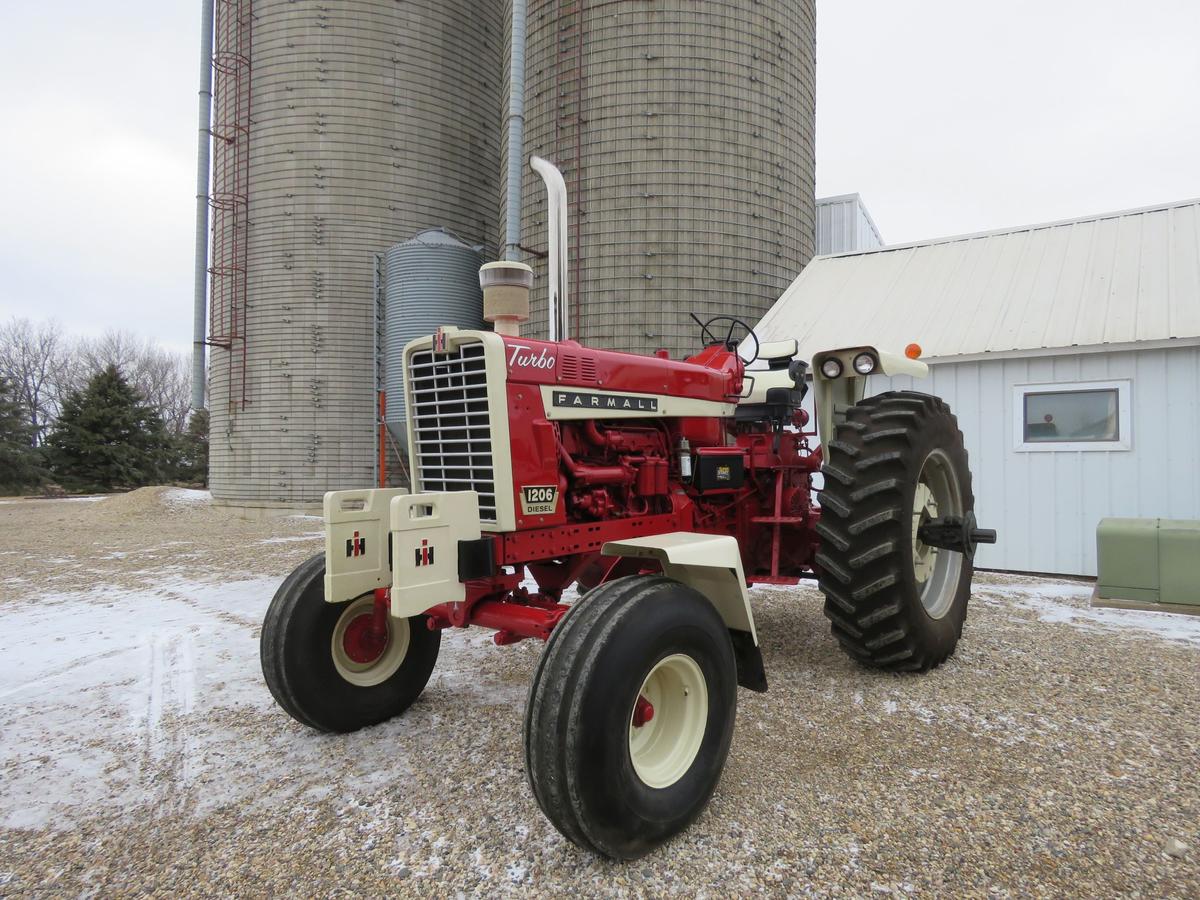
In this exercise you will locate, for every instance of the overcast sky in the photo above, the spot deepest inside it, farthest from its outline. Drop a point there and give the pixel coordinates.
(947, 116)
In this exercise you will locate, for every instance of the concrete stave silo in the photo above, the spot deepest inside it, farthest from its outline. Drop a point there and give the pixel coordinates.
(685, 129)
(368, 122)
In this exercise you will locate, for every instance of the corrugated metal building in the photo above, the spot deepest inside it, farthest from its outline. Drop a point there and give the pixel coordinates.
(844, 225)
(1069, 351)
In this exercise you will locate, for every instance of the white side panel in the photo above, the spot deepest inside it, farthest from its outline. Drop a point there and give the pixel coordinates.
(356, 541)
(426, 529)
(1046, 506)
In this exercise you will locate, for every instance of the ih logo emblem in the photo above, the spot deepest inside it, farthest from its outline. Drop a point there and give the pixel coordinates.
(439, 341)
(356, 546)
(424, 554)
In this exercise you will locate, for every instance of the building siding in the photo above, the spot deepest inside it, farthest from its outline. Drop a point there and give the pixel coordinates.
(1046, 505)
(844, 226)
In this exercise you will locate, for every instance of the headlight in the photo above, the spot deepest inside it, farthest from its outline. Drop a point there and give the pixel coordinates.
(831, 368)
(864, 364)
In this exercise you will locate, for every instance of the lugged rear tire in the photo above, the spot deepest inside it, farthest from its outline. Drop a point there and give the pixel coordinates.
(325, 690)
(869, 562)
(597, 781)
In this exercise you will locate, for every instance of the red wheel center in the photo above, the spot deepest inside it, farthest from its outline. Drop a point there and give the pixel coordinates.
(643, 712)
(361, 642)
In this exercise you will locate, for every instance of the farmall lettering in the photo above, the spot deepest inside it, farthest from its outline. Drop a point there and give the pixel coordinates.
(522, 357)
(581, 400)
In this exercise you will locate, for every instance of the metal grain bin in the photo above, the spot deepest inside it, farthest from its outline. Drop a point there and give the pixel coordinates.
(431, 280)
(685, 131)
(365, 122)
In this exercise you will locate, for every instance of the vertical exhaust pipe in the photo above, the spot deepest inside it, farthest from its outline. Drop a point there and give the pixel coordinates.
(556, 221)
(200, 279)
(516, 133)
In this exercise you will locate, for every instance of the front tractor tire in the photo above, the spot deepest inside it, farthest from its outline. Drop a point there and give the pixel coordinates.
(630, 715)
(896, 462)
(322, 666)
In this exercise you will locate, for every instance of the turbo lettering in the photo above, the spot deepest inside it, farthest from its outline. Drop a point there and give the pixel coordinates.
(522, 356)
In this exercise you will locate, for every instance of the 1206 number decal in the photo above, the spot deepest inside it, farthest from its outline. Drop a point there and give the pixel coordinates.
(537, 499)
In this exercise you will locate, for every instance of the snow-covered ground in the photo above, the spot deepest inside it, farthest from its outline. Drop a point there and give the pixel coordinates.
(1064, 602)
(107, 691)
(113, 696)
(1055, 749)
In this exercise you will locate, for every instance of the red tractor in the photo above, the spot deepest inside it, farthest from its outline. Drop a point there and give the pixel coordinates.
(662, 489)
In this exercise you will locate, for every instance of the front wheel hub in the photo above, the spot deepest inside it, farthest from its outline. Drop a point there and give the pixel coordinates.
(366, 651)
(668, 720)
(362, 642)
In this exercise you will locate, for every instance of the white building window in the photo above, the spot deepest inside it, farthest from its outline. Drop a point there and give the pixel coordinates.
(1080, 415)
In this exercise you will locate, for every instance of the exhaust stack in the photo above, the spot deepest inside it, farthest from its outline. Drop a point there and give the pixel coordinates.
(556, 215)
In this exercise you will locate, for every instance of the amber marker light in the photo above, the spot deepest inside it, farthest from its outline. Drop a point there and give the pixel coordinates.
(913, 351)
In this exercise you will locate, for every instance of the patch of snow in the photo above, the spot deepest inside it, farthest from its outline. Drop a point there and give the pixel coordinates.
(1168, 626)
(1068, 603)
(311, 536)
(117, 697)
(186, 497)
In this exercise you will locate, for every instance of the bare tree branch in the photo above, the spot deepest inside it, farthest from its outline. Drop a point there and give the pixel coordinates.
(35, 359)
(162, 377)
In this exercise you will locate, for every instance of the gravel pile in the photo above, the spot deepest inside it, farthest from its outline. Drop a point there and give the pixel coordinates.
(1058, 753)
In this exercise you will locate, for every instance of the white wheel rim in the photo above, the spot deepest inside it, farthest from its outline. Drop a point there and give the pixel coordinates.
(664, 748)
(924, 509)
(383, 666)
(936, 571)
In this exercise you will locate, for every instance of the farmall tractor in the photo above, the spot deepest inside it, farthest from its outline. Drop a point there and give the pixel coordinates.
(661, 489)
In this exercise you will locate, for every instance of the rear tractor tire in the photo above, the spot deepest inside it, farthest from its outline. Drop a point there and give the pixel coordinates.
(321, 665)
(896, 462)
(630, 715)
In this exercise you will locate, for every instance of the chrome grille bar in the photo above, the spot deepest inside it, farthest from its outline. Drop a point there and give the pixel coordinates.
(452, 423)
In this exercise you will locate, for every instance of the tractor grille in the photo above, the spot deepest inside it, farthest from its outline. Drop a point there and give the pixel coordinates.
(451, 423)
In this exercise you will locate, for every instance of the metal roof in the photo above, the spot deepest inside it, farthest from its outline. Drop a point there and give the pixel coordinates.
(1116, 278)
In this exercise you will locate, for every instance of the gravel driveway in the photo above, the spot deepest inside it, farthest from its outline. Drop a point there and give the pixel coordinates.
(1058, 753)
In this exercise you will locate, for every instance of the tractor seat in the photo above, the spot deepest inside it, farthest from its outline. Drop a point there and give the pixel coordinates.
(778, 354)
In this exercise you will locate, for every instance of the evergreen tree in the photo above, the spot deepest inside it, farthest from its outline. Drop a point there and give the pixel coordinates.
(107, 437)
(193, 450)
(18, 459)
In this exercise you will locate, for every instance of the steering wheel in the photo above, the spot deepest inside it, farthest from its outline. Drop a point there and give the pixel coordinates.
(709, 338)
